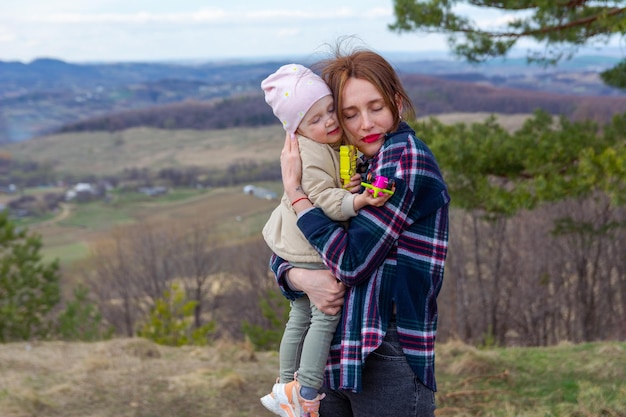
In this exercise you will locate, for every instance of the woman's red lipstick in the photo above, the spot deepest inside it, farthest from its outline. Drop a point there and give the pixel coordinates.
(371, 138)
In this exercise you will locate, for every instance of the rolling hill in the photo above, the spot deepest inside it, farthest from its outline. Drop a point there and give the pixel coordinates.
(432, 96)
(48, 95)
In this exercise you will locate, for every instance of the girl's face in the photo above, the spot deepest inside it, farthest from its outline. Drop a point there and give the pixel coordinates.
(320, 122)
(366, 116)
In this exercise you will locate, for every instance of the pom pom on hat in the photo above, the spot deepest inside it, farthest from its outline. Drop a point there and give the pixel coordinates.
(291, 91)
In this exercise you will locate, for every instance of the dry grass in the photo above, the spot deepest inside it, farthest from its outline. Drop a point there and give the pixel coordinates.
(132, 377)
(108, 153)
(135, 377)
(509, 122)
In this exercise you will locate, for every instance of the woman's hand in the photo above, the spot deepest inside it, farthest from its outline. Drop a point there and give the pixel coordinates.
(321, 286)
(291, 167)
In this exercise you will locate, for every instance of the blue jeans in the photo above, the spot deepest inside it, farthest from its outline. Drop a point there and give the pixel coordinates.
(390, 388)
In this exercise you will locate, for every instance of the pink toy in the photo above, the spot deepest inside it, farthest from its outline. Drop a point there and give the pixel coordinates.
(378, 186)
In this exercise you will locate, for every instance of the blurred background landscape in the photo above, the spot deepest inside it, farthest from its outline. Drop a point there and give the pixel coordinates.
(139, 157)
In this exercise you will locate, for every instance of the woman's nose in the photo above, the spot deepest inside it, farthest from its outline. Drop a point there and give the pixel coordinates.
(366, 122)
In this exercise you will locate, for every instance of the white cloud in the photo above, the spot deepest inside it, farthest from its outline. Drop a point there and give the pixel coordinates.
(6, 35)
(278, 15)
(109, 30)
(288, 32)
(204, 15)
(378, 12)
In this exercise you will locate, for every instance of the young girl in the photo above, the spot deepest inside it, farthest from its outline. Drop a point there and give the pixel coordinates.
(382, 358)
(302, 101)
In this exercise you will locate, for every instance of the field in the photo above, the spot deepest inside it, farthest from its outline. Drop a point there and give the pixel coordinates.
(103, 153)
(68, 234)
(136, 378)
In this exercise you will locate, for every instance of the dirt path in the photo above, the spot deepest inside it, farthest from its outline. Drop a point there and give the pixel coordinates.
(63, 214)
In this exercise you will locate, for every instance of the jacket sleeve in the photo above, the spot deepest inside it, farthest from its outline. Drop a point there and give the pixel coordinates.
(321, 182)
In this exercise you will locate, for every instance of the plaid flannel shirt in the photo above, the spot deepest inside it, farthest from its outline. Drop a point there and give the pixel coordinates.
(389, 255)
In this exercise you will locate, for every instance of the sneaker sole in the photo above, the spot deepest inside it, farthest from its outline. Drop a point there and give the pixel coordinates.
(271, 404)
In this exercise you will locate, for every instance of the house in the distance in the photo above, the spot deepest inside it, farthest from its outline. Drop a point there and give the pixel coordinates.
(82, 192)
(259, 192)
(153, 191)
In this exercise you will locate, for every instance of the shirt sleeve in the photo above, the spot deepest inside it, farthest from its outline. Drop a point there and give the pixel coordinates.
(280, 267)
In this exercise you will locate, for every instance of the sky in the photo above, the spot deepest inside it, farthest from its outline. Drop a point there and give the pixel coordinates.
(183, 30)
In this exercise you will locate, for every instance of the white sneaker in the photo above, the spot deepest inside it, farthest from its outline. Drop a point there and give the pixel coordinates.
(285, 401)
(271, 403)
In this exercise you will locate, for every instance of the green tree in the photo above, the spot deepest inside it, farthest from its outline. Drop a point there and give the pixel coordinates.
(171, 321)
(494, 176)
(29, 287)
(546, 160)
(561, 26)
(81, 319)
(275, 309)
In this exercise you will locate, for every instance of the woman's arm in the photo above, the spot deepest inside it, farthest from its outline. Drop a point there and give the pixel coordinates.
(320, 285)
(352, 255)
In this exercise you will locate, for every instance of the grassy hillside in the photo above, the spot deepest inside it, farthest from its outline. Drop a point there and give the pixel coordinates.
(103, 153)
(70, 234)
(136, 378)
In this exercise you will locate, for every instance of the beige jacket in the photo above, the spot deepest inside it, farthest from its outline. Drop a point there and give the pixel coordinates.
(322, 184)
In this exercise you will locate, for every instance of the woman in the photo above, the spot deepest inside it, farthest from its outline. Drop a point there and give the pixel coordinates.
(391, 259)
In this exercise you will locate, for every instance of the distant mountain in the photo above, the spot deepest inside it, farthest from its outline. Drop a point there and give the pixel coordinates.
(49, 95)
(53, 74)
(40, 97)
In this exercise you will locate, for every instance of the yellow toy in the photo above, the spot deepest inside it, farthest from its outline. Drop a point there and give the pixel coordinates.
(347, 162)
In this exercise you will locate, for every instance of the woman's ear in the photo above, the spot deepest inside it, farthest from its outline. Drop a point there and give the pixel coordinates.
(399, 104)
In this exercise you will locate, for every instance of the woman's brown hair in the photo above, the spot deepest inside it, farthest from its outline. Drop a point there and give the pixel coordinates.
(370, 66)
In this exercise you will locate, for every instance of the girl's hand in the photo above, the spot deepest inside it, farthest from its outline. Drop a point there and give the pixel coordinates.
(367, 199)
(354, 186)
(379, 200)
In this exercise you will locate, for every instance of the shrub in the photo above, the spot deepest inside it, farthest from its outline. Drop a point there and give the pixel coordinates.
(171, 321)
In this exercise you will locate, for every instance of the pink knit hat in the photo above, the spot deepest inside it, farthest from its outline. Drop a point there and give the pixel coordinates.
(291, 91)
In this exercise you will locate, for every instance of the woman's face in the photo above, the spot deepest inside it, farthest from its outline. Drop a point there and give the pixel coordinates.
(366, 116)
